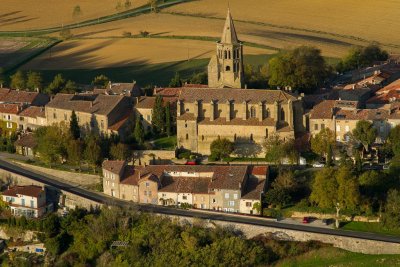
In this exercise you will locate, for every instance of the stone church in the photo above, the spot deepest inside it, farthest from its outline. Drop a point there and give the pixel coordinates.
(247, 117)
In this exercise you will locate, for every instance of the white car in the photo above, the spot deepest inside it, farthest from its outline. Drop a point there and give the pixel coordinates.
(318, 165)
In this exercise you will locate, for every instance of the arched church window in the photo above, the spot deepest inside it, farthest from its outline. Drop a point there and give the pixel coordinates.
(228, 68)
(267, 113)
(266, 133)
(229, 54)
(187, 136)
(253, 112)
(234, 137)
(225, 54)
(251, 137)
(282, 114)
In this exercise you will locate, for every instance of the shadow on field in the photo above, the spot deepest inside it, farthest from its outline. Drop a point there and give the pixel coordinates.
(286, 36)
(86, 34)
(10, 18)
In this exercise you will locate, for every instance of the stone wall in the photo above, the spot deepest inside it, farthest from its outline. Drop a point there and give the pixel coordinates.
(151, 157)
(348, 243)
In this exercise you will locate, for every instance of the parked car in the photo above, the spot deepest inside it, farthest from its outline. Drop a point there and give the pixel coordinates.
(327, 221)
(318, 165)
(306, 220)
(372, 167)
(386, 167)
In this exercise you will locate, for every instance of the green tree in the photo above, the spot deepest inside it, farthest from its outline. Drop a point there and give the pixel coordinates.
(76, 12)
(303, 69)
(74, 126)
(329, 159)
(348, 195)
(357, 161)
(278, 149)
(74, 152)
(18, 80)
(365, 133)
(168, 124)
(372, 183)
(322, 142)
(139, 132)
(391, 216)
(70, 87)
(119, 151)
(199, 78)
(56, 85)
(394, 140)
(153, 6)
(2, 78)
(176, 81)
(66, 33)
(324, 188)
(34, 80)
(285, 180)
(92, 152)
(221, 148)
(278, 197)
(127, 4)
(158, 115)
(101, 81)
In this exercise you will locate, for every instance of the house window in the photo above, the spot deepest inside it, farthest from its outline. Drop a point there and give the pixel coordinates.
(202, 138)
(112, 185)
(337, 128)
(322, 126)
(9, 125)
(54, 115)
(226, 195)
(316, 127)
(184, 197)
(248, 204)
(347, 138)
(147, 184)
(9, 117)
(214, 200)
(32, 204)
(266, 133)
(347, 128)
(102, 124)
(235, 196)
(65, 116)
(187, 137)
(253, 112)
(282, 114)
(231, 203)
(23, 202)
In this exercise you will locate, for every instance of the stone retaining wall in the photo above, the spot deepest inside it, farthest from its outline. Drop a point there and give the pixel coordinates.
(348, 243)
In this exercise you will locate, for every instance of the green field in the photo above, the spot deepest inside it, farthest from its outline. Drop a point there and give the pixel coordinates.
(145, 74)
(369, 227)
(336, 257)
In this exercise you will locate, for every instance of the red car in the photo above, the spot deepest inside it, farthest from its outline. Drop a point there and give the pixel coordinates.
(191, 162)
(306, 220)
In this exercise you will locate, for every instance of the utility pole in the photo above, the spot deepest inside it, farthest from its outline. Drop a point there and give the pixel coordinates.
(337, 214)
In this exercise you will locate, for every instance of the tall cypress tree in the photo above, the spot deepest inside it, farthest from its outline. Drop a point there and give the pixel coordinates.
(158, 115)
(74, 126)
(168, 126)
(138, 132)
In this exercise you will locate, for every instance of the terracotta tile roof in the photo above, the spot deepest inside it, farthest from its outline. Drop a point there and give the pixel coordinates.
(26, 140)
(17, 96)
(114, 166)
(187, 117)
(260, 170)
(237, 95)
(10, 108)
(121, 122)
(190, 85)
(387, 94)
(131, 175)
(323, 110)
(254, 187)
(228, 177)
(167, 92)
(33, 112)
(362, 114)
(88, 103)
(185, 185)
(147, 102)
(239, 121)
(29, 190)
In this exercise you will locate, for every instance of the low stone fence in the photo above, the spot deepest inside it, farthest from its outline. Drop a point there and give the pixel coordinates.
(298, 214)
(153, 157)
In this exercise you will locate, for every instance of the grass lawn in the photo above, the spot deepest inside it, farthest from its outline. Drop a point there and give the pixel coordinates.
(165, 143)
(369, 227)
(337, 257)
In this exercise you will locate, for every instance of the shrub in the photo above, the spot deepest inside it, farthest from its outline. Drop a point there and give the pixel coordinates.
(127, 34)
(144, 33)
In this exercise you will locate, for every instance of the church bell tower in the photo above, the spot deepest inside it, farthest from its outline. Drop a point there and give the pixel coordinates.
(225, 70)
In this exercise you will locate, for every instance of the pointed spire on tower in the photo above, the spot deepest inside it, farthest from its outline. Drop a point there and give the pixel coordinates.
(229, 34)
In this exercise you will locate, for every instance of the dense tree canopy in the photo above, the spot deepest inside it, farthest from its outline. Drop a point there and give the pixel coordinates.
(322, 142)
(221, 148)
(303, 69)
(359, 57)
(365, 133)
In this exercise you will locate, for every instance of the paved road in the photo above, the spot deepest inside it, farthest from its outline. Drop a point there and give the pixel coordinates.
(103, 199)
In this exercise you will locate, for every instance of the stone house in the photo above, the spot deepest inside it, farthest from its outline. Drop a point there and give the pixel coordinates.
(28, 201)
(202, 186)
(244, 116)
(341, 118)
(25, 145)
(101, 114)
(32, 118)
(255, 189)
(124, 89)
(23, 98)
